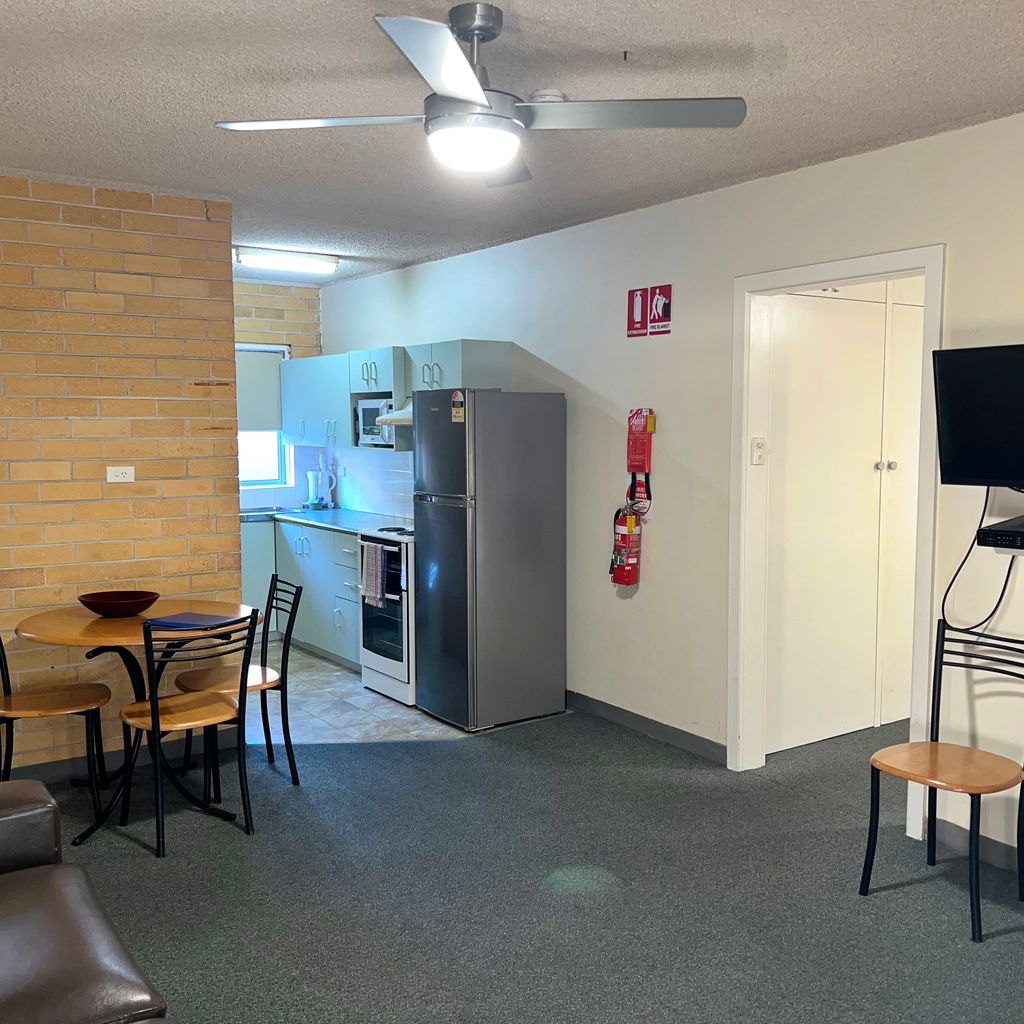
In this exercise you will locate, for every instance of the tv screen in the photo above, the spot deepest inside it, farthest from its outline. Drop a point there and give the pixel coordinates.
(979, 402)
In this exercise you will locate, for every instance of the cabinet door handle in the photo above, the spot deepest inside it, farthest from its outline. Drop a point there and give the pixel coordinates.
(427, 374)
(436, 381)
(348, 551)
(351, 586)
(337, 618)
(366, 372)
(373, 373)
(891, 465)
(295, 546)
(302, 428)
(307, 548)
(879, 466)
(327, 431)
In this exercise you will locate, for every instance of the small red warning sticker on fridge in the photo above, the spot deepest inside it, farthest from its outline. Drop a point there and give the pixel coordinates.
(660, 309)
(636, 313)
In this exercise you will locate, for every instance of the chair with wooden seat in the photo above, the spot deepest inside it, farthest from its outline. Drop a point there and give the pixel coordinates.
(179, 712)
(283, 598)
(951, 766)
(84, 699)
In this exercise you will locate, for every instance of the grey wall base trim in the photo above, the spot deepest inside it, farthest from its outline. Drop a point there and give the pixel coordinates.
(688, 741)
(994, 852)
(54, 772)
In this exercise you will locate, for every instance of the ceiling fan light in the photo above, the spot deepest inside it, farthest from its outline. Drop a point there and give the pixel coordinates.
(474, 147)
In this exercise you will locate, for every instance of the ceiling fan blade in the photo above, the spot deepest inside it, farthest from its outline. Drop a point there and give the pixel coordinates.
(515, 173)
(317, 122)
(661, 113)
(434, 52)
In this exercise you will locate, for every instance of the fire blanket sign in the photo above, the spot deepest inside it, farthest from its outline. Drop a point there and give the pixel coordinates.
(649, 311)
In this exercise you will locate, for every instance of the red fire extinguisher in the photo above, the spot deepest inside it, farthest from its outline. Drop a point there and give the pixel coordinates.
(628, 520)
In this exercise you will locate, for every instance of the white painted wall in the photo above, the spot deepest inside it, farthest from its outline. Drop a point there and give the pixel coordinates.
(663, 652)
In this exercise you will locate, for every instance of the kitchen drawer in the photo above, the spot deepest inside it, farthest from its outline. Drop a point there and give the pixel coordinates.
(346, 629)
(348, 582)
(346, 549)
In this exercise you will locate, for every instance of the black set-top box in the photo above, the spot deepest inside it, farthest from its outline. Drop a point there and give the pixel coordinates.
(1007, 534)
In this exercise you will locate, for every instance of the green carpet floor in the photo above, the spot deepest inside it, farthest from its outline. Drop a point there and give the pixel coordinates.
(564, 871)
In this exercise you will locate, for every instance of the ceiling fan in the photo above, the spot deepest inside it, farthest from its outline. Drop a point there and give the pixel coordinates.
(472, 127)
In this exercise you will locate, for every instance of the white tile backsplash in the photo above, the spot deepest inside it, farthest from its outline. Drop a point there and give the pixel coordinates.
(369, 480)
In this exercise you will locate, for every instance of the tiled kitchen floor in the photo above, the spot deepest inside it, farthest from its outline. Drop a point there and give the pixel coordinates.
(328, 704)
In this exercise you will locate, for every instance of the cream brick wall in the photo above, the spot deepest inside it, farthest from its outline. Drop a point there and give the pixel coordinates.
(116, 348)
(276, 314)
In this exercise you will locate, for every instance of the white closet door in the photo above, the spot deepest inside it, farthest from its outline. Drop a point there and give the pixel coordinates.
(901, 436)
(827, 365)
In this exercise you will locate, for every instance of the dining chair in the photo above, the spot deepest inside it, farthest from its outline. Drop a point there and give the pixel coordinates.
(952, 766)
(84, 699)
(177, 712)
(283, 597)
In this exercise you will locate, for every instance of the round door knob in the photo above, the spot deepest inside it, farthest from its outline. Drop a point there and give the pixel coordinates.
(879, 466)
(891, 465)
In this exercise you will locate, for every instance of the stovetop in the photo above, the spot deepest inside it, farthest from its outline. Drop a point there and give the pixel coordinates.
(402, 534)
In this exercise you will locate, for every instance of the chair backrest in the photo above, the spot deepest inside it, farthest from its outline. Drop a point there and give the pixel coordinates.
(282, 597)
(167, 646)
(5, 671)
(972, 649)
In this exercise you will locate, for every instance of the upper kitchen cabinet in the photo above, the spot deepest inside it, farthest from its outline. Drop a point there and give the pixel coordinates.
(315, 405)
(377, 369)
(463, 363)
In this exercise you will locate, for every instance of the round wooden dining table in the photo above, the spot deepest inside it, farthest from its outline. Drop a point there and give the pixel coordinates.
(76, 626)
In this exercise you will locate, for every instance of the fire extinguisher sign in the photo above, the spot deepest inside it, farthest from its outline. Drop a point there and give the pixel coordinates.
(649, 311)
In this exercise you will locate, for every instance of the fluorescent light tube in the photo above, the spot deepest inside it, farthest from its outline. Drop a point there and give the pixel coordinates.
(282, 259)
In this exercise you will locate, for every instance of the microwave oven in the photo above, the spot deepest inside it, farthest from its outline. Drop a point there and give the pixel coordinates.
(370, 433)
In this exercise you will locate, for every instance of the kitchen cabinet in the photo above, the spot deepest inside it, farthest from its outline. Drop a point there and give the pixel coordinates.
(315, 405)
(463, 363)
(372, 370)
(328, 617)
(257, 562)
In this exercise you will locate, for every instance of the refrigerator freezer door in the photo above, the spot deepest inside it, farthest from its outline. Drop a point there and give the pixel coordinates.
(440, 460)
(443, 666)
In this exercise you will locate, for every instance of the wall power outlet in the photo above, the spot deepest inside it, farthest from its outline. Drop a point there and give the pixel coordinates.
(120, 474)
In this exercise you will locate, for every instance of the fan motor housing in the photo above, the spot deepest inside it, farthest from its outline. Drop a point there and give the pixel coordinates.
(439, 111)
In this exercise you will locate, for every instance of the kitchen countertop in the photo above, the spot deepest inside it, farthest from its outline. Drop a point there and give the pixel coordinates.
(341, 520)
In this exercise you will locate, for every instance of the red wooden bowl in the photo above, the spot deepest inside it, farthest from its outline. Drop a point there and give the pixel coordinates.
(118, 604)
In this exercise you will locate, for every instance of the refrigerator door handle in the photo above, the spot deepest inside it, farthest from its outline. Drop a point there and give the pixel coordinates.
(446, 499)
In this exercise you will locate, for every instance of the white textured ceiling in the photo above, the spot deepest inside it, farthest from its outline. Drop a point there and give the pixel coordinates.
(128, 90)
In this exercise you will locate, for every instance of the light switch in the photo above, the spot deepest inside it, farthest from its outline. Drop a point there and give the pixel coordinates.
(120, 474)
(758, 451)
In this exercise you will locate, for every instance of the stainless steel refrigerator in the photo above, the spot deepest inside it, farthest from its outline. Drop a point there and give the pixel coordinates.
(489, 481)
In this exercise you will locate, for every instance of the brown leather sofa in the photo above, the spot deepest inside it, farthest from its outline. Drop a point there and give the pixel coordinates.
(61, 961)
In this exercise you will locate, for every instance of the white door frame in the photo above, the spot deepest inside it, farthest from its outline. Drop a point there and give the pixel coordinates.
(749, 494)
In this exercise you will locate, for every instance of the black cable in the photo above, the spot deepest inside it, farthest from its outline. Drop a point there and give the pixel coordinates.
(1006, 580)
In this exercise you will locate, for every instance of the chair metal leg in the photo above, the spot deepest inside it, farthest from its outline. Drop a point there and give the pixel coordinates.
(101, 757)
(973, 869)
(207, 763)
(869, 854)
(266, 726)
(1020, 845)
(287, 732)
(243, 779)
(186, 758)
(932, 801)
(131, 752)
(215, 762)
(131, 747)
(5, 772)
(158, 791)
(92, 724)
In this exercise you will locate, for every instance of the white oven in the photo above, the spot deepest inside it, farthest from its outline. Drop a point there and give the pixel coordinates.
(370, 433)
(387, 635)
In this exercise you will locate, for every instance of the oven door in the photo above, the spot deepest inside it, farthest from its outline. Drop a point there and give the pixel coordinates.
(384, 632)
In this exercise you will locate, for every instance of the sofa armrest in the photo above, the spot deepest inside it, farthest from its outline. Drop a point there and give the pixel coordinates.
(29, 826)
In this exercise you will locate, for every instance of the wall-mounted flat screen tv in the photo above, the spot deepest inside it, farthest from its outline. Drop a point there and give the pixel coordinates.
(979, 402)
